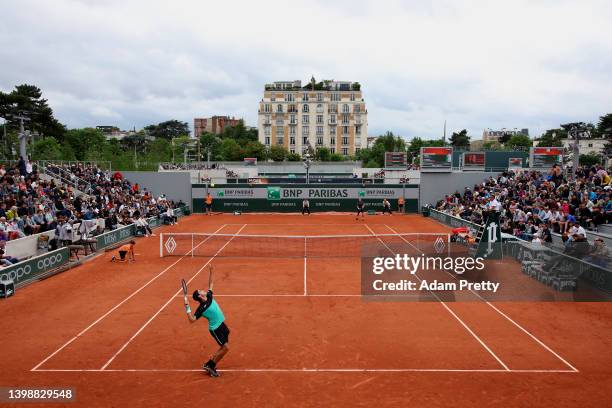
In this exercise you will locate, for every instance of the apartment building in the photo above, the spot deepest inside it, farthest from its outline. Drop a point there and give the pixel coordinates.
(489, 135)
(300, 118)
(214, 124)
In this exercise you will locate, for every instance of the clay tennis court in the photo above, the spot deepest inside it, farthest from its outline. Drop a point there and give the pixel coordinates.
(300, 332)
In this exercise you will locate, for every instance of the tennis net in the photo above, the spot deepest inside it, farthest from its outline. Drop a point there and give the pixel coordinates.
(299, 246)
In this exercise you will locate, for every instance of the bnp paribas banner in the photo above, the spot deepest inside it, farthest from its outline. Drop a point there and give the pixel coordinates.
(289, 197)
(275, 193)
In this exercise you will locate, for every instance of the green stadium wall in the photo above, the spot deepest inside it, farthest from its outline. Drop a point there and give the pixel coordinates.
(288, 197)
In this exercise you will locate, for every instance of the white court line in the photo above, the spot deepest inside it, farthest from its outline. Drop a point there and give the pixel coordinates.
(168, 302)
(85, 330)
(482, 343)
(305, 268)
(541, 343)
(309, 370)
(301, 295)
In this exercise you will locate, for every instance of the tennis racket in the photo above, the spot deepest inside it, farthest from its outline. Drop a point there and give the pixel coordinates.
(184, 286)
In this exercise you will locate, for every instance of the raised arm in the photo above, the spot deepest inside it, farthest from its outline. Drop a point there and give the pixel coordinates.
(210, 277)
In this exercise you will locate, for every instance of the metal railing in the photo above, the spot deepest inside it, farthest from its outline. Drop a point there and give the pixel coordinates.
(68, 178)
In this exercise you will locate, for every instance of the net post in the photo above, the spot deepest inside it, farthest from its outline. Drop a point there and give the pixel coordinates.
(161, 245)
(192, 245)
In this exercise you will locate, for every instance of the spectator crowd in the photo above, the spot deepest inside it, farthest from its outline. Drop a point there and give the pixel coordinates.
(533, 204)
(31, 204)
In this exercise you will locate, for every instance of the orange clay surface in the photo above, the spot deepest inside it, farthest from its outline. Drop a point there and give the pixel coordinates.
(118, 333)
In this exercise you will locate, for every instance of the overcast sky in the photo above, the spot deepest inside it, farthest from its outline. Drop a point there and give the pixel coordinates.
(476, 64)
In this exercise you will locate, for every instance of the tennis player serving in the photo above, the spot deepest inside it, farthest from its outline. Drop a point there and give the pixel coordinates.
(209, 308)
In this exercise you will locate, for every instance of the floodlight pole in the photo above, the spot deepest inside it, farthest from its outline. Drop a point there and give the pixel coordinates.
(307, 163)
(23, 137)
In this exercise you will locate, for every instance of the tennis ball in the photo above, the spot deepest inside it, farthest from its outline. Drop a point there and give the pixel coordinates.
(212, 184)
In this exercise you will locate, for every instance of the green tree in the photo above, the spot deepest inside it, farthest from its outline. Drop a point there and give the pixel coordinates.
(519, 141)
(231, 150)
(46, 149)
(210, 142)
(336, 157)
(322, 154)
(278, 153)
(27, 100)
(460, 139)
(158, 150)
(552, 137)
(294, 157)
(604, 126)
(169, 129)
(589, 159)
(85, 141)
(256, 150)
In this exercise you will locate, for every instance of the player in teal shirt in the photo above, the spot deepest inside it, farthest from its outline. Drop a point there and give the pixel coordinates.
(210, 310)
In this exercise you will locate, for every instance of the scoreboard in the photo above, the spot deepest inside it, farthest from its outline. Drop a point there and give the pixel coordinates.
(438, 159)
(474, 160)
(396, 160)
(543, 157)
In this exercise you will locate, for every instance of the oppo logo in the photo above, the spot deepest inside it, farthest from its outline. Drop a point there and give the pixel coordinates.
(49, 261)
(24, 270)
(16, 273)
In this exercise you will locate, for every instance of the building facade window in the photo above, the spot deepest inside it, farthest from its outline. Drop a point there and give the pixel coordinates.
(267, 131)
(305, 140)
(292, 130)
(332, 119)
(292, 119)
(267, 108)
(305, 119)
(344, 140)
(319, 140)
(280, 122)
(280, 140)
(320, 130)
(332, 150)
(305, 96)
(332, 140)
(345, 151)
(352, 97)
(289, 97)
(267, 120)
(345, 130)
(357, 109)
(305, 109)
(320, 119)
(345, 108)
(320, 108)
(332, 130)
(305, 130)
(335, 97)
(345, 119)
(319, 97)
(292, 109)
(279, 108)
(358, 130)
(280, 131)
(333, 108)
(292, 140)
(267, 141)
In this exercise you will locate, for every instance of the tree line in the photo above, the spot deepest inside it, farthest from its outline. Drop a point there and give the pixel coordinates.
(170, 140)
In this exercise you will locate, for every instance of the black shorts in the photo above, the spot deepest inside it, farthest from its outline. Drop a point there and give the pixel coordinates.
(221, 334)
(122, 254)
(208, 206)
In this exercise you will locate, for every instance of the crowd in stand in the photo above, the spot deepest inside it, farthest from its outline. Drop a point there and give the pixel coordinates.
(191, 166)
(533, 204)
(30, 204)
